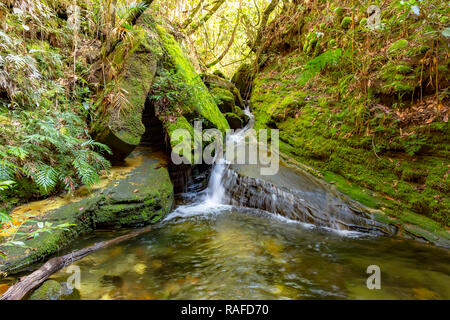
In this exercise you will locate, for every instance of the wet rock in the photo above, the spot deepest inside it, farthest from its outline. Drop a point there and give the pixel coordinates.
(49, 290)
(113, 205)
(298, 196)
(216, 82)
(224, 99)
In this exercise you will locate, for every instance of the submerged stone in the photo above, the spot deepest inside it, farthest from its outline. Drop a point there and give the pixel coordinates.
(49, 290)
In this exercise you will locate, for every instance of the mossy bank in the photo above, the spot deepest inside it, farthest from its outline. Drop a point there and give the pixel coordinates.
(138, 193)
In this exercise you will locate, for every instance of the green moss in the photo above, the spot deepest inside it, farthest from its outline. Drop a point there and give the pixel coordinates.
(125, 124)
(398, 46)
(346, 22)
(202, 100)
(49, 290)
(224, 99)
(321, 134)
(220, 74)
(117, 205)
(243, 79)
(234, 120)
(403, 69)
(363, 22)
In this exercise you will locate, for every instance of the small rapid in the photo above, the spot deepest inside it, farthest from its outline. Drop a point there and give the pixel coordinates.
(212, 199)
(295, 197)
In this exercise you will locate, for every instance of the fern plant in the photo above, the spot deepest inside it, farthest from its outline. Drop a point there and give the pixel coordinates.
(318, 64)
(55, 153)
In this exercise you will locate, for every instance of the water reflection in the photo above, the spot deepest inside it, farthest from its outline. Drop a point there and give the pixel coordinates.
(251, 255)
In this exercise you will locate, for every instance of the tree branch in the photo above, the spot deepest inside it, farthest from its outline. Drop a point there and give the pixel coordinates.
(230, 43)
(28, 283)
(189, 20)
(206, 17)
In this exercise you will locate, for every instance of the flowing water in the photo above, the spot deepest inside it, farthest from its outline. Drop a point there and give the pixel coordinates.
(209, 249)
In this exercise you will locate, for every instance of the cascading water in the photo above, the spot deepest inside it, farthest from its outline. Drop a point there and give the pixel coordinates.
(223, 243)
(297, 197)
(216, 189)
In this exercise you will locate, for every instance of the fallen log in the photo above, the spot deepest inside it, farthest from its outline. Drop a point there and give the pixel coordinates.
(33, 280)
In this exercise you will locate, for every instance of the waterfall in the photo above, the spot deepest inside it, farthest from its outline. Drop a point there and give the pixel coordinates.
(216, 189)
(296, 196)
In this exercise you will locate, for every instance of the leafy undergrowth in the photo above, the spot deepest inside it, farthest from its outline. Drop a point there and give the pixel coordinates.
(356, 104)
(44, 102)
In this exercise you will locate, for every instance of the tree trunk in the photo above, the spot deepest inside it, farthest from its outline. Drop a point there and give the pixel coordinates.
(33, 280)
(272, 5)
(189, 20)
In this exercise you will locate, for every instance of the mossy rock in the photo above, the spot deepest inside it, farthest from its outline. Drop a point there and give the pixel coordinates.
(213, 81)
(224, 99)
(241, 114)
(49, 290)
(220, 74)
(142, 196)
(121, 130)
(243, 79)
(234, 120)
(199, 96)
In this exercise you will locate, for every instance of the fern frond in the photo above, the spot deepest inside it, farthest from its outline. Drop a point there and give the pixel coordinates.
(99, 145)
(87, 174)
(46, 177)
(18, 152)
(7, 169)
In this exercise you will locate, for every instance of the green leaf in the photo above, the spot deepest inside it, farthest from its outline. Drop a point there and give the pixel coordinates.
(46, 177)
(4, 218)
(17, 152)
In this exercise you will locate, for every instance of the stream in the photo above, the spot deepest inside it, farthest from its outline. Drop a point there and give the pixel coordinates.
(210, 247)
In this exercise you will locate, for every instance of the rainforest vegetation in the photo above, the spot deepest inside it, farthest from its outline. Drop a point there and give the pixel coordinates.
(358, 89)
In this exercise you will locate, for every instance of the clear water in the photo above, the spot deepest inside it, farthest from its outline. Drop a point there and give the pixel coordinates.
(219, 252)
(207, 250)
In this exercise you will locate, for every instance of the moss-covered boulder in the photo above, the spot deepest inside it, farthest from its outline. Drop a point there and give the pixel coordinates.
(156, 56)
(243, 79)
(120, 127)
(49, 290)
(135, 194)
(234, 120)
(224, 99)
(213, 81)
(220, 74)
(198, 96)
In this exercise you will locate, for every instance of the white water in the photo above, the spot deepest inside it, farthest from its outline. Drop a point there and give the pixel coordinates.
(212, 201)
